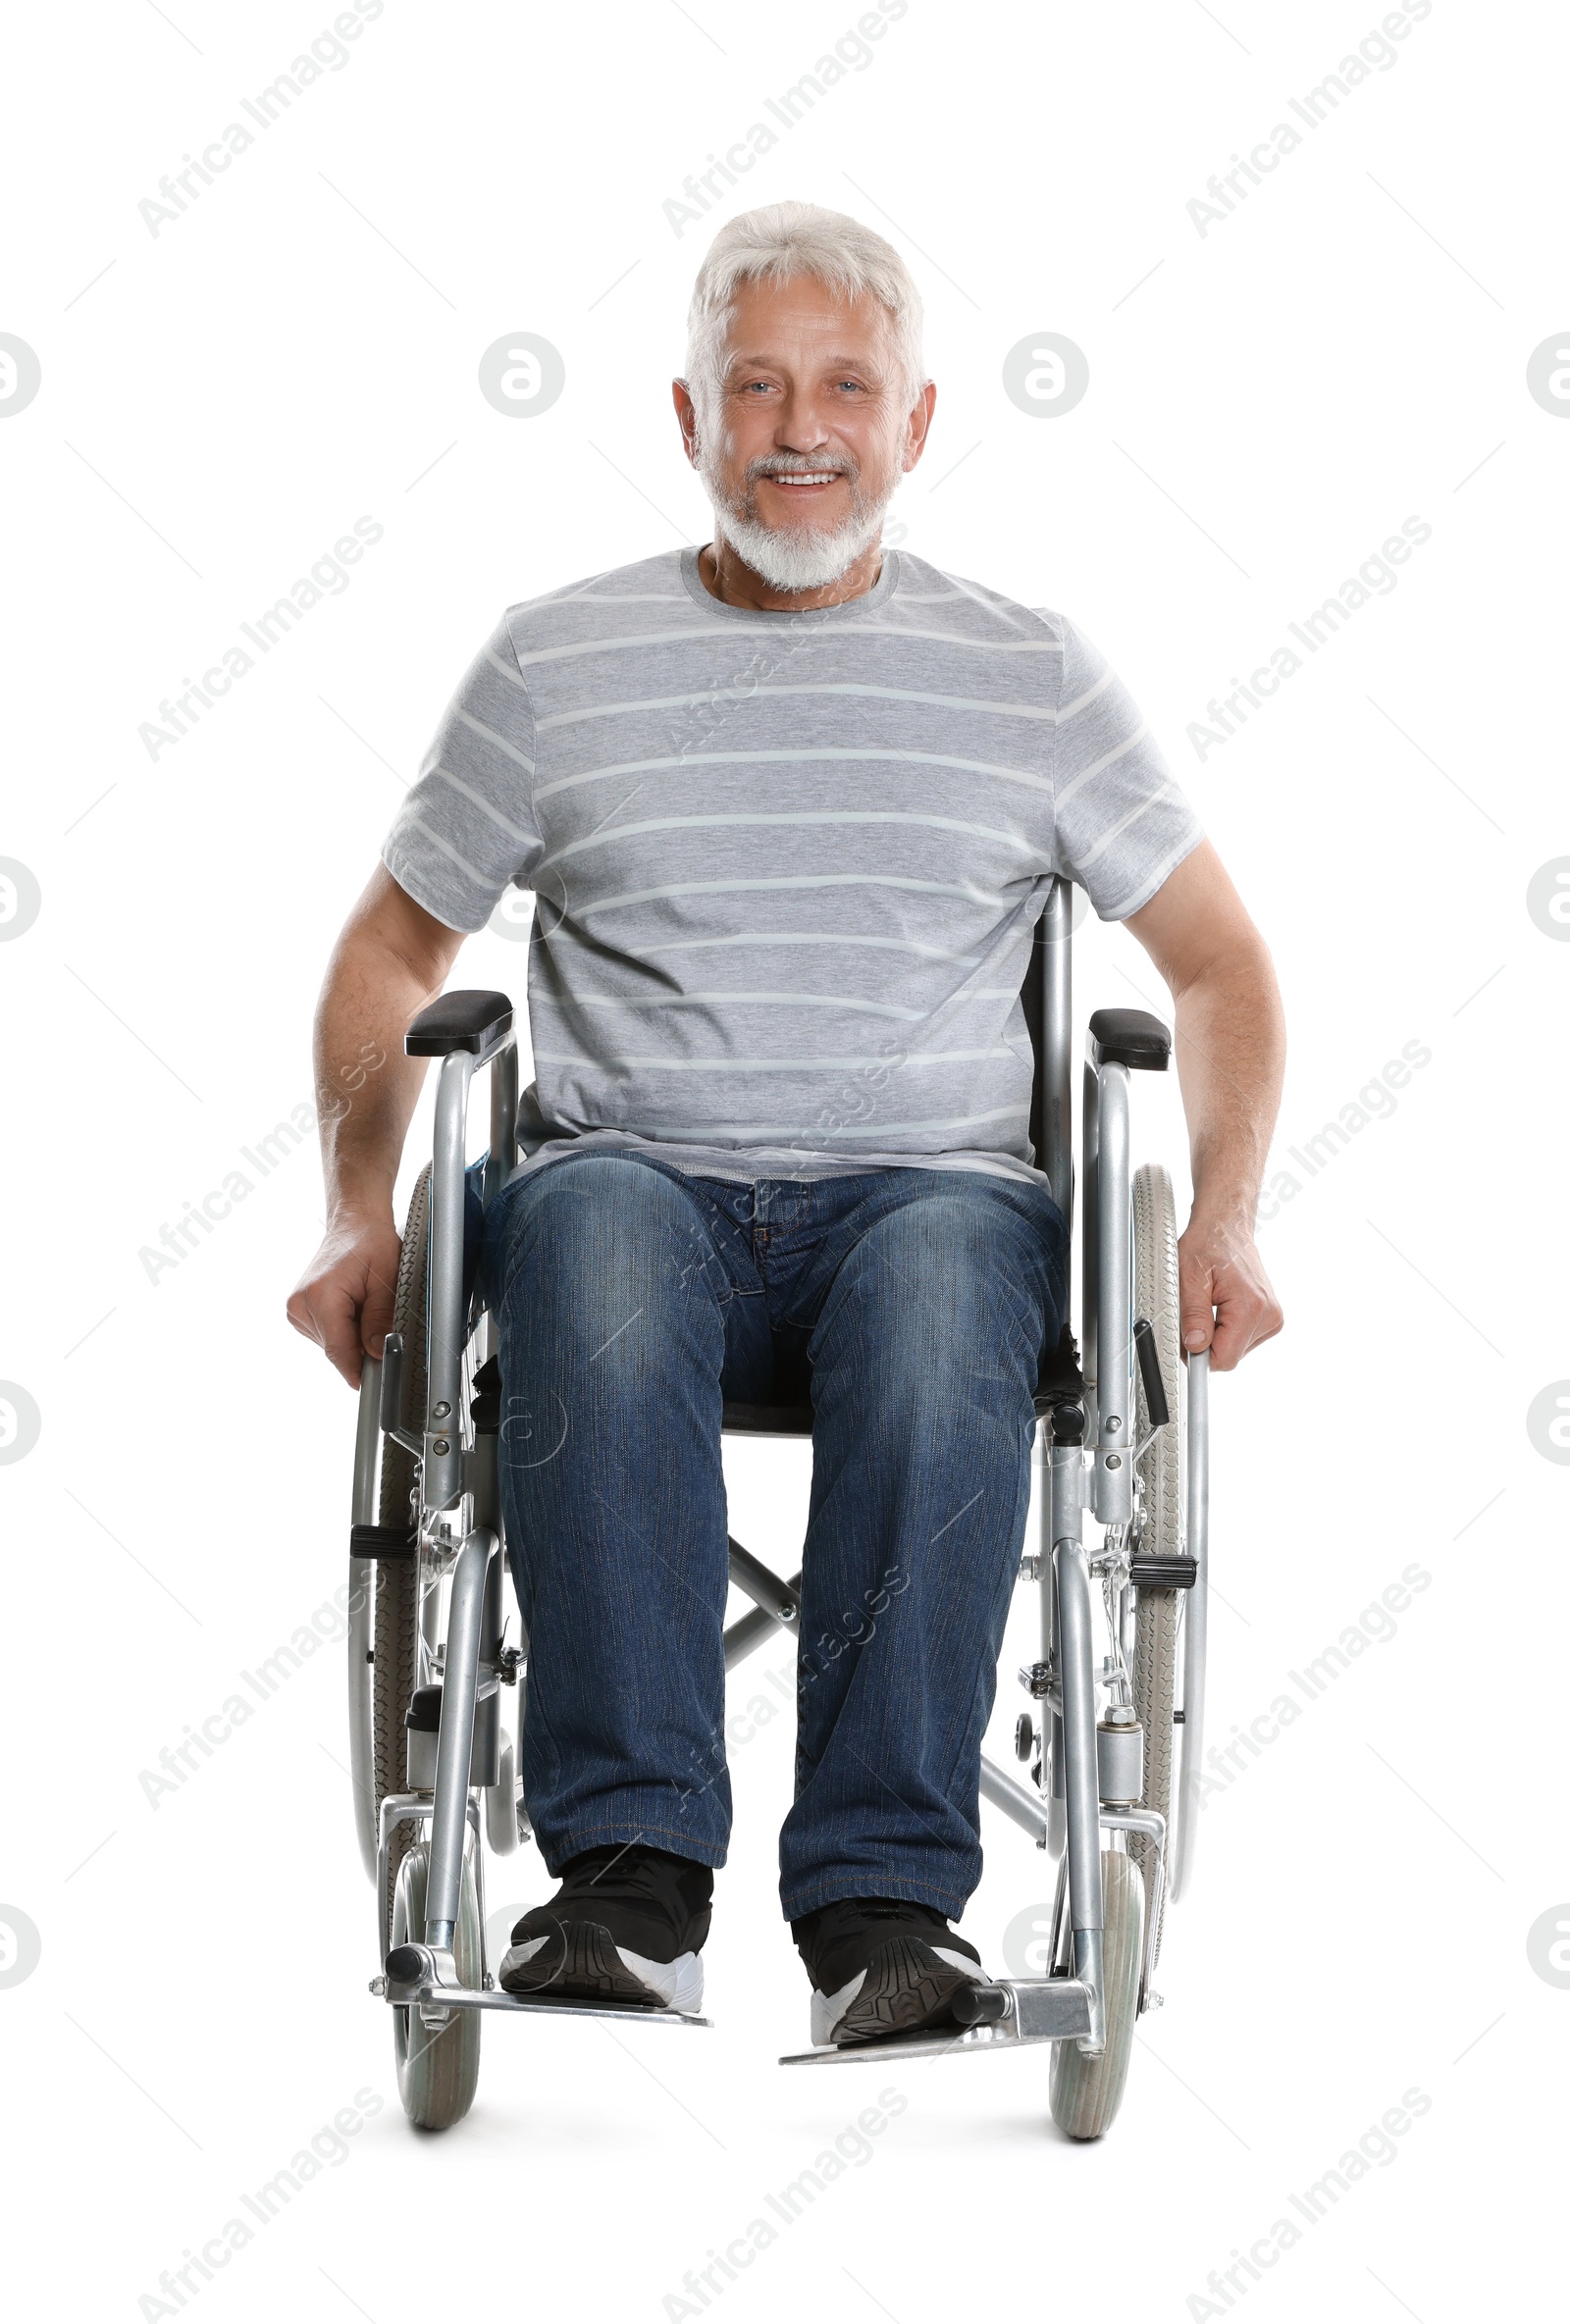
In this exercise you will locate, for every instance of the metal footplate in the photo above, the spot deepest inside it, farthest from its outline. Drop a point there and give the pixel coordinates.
(421, 1985)
(1011, 2011)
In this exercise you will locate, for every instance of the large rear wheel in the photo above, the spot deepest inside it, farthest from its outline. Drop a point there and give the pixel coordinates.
(394, 1671)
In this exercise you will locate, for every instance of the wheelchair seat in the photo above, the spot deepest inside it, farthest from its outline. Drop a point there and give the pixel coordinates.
(789, 1413)
(786, 1412)
(767, 1420)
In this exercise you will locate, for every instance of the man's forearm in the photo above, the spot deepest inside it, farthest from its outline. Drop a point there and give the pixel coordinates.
(366, 1087)
(391, 959)
(1231, 1054)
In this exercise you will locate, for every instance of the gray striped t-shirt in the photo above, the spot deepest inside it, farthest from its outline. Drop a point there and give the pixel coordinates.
(786, 866)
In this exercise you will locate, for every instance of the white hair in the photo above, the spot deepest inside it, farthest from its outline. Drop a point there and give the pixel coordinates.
(782, 241)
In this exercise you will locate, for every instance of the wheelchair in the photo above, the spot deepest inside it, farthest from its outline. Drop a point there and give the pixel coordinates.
(1113, 1736)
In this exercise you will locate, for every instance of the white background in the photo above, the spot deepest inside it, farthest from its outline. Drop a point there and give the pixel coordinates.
(218, 402)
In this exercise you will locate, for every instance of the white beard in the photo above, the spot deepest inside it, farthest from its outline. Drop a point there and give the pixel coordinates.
(804, 556)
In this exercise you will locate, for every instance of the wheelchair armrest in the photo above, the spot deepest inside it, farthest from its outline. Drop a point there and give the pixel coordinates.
(458, 1020)
(1130, 1037)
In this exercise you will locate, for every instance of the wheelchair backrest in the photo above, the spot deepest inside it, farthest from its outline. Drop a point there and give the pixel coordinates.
(1047, 998)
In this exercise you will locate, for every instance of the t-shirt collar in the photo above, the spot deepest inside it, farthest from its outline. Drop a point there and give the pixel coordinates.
(881, 590)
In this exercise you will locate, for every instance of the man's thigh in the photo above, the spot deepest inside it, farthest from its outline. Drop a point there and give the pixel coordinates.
(609, 1256)
(932, 1275)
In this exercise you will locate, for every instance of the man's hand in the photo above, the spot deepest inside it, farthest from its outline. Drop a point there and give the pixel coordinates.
(344, 1300)
(1230, 1044)
(1218, 1270)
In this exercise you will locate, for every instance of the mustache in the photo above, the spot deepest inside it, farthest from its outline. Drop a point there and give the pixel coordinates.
(798, 464)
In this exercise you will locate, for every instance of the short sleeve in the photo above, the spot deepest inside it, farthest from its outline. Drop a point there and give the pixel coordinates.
(1122, 824)
(466, 830)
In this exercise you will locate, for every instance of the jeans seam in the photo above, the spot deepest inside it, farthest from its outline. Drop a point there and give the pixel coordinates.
(573, 1842)
(834, 1889)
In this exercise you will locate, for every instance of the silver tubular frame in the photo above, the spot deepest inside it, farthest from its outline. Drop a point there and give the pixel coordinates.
(367, 1441)
(461, 1679)
(1113, 1256)
(777, 1605)
(779, 1600)
(442, 1472)
(1195, 1622)
(474, 1597)
(1018, 1802)
(1081, 1792)
(362, 1616)
(408, 1807)
(450, 1482)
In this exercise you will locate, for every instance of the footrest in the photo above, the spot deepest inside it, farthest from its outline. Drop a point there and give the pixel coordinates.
(428, 1996)
(1035, 2009)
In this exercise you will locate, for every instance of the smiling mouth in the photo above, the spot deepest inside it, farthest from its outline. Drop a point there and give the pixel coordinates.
(798, 480)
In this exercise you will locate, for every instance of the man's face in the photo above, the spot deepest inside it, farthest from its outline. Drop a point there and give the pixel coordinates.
(810, 432)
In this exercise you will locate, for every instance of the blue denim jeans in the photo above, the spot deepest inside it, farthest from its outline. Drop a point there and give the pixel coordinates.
(632, 1300)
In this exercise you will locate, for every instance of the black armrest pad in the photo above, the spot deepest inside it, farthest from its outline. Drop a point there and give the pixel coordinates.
(1130, 1037)
(458, 1020)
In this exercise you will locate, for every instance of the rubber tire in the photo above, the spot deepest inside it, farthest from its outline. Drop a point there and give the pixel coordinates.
(438, 2070)
(502, 1805)
(396, 1641)
(1087, 2092)
(1157, 1616)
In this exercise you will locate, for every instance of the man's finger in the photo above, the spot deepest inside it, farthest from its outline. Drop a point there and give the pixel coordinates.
(1232, 1340)
(1242, 1321)
(1195, 1299)
(337, 1316)
(376, 1318)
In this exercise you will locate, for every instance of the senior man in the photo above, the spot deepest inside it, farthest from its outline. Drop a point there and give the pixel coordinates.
(788, 804)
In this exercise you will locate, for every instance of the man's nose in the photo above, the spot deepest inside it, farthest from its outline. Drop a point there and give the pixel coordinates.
(802, 425)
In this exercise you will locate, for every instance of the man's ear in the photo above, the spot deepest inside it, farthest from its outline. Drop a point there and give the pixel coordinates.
(919, 421)
(686, 418)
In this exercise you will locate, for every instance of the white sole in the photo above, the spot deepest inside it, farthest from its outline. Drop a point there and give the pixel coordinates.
(829, 2008)
(676, 1985)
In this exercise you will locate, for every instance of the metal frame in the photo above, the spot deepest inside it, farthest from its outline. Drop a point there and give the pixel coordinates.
(1195, 1622)
(1063, 1811)
(361, 1614)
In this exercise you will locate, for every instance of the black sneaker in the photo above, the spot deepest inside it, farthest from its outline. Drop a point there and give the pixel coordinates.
(625, 1925)
(879, 1965)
